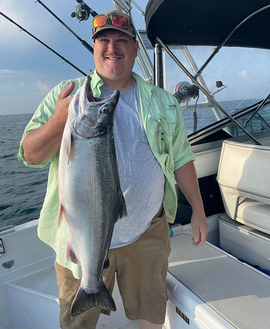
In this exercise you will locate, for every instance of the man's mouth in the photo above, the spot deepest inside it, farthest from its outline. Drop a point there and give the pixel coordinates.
(113, 58)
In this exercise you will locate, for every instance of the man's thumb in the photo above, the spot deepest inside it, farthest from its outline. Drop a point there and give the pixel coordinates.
(67, 91)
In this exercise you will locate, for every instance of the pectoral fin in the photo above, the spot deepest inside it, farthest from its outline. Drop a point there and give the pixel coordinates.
(62, 215)
(71, 256)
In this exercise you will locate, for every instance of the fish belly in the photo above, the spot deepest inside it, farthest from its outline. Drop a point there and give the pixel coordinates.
(90, 194)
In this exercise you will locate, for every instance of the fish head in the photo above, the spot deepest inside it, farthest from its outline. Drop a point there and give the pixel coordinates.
(94, 116)
(100, 112)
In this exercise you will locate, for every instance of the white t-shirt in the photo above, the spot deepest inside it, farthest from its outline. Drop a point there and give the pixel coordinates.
(141, 177)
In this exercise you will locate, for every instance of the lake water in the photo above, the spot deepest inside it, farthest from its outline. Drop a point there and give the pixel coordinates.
(22, 189)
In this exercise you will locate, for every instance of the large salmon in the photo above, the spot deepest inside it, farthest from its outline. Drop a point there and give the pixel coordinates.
(90, 196)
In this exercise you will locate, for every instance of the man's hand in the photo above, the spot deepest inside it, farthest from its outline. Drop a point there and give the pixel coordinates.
(41, 144)
(62, 104)
(199, 228)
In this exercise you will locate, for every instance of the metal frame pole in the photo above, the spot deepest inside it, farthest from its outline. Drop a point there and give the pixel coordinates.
(193, 79)
(158, 64)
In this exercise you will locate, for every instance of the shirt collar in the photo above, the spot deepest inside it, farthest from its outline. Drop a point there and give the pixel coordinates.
(97, 83)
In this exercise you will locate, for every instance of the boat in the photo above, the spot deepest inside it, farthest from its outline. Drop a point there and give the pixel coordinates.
(225, 283)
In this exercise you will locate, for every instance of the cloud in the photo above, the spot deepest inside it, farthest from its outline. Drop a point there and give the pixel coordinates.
(9, 73)
(42, 86)
(243, 73)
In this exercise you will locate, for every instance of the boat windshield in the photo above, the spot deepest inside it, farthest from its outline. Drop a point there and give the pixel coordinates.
(255, 119)
(256, 122)
(236, 77)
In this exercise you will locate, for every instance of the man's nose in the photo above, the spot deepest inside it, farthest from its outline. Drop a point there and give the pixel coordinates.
(112, 46)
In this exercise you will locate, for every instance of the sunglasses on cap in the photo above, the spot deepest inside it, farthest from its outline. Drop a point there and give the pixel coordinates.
(113, 20)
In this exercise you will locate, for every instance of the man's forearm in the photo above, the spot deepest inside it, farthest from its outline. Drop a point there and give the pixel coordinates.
(187, 181)
(41, 144)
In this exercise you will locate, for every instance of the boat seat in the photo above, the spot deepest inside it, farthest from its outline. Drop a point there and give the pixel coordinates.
(244, 181)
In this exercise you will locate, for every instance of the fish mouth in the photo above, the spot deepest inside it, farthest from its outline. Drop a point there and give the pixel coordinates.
(99, 101)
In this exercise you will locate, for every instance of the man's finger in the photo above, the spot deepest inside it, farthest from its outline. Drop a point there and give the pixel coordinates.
(202, 239)
(196, 235)
(67, 91)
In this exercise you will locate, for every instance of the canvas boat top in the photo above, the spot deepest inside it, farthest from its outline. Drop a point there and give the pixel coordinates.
(208, 22)
(238, 292)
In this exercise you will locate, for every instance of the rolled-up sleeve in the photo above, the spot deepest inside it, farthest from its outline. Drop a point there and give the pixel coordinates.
(182, 153)
(43, 114)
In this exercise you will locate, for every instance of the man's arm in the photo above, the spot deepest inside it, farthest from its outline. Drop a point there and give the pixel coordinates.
(41, 144)
(186, 179)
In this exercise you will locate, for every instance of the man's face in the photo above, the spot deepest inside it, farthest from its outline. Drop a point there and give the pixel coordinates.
(114, 54)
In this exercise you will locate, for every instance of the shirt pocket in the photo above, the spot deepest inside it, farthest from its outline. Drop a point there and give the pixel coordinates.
(166, 127)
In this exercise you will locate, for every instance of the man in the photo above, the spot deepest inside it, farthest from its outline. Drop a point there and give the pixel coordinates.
(152, 152)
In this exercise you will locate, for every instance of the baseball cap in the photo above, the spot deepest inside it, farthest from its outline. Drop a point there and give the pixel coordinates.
(115, 20)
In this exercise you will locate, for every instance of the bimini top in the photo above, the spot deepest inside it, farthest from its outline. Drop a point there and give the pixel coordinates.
(208, 22)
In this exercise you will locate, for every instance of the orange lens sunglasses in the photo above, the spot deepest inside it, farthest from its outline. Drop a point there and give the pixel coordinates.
(117, 21)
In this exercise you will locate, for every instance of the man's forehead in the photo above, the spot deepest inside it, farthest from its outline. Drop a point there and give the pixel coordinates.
(109, 32)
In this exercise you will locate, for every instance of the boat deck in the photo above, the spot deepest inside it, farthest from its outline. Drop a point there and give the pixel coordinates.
(39, 290)
(238, 292)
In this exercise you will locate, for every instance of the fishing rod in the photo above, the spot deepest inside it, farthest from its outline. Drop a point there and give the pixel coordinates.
(83, 11)
(83, 42)
(21, 28)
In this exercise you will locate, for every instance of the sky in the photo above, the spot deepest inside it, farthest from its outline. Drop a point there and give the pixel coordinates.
(28, 70)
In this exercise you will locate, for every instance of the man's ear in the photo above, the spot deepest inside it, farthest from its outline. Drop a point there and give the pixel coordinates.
(137, 47)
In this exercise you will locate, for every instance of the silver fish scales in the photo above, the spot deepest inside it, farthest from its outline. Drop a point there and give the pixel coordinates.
(91, 200)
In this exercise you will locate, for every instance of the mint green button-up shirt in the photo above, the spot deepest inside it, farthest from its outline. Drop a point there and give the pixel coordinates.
(164, 126)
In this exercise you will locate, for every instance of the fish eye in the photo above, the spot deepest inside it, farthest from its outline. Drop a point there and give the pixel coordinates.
(104, 110)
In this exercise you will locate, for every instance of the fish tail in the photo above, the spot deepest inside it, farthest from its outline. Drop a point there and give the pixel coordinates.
(84, 301)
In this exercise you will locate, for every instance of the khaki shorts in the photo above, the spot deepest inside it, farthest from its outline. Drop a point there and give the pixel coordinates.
(140, 269)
